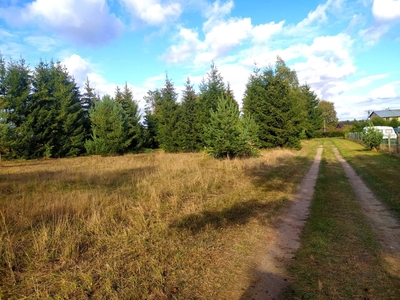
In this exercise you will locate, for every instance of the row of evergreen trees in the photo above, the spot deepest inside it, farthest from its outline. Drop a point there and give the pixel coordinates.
(44, 114)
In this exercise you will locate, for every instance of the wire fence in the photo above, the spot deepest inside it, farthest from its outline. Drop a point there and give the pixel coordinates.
(390, 144)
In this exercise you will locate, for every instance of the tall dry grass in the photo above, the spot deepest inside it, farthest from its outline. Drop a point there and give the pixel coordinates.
(149, 226)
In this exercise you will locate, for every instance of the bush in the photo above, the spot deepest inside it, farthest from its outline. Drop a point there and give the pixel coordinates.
(372, 137)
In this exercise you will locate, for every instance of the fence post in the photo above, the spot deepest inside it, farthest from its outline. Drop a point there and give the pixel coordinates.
(397, 140)
(389, 142)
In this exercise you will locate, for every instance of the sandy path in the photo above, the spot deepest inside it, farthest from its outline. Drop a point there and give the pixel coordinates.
(271, 275)
(383, 223)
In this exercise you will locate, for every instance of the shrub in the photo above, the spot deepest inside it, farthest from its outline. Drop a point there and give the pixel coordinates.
(372, 137)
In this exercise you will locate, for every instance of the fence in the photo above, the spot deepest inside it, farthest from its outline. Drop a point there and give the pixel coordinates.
(391, 144)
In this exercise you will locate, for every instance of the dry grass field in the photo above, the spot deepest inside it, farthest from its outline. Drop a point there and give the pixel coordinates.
(148, 226)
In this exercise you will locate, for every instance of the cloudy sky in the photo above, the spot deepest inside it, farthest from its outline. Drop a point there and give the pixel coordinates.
(347, 51)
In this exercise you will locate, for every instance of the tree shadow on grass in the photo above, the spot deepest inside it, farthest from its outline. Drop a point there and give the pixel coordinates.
(238, 214)
(72, 180)
(274, 177)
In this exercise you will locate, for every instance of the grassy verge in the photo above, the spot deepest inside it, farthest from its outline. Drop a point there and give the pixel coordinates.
(151, 226)
(379, 171)
(339, 257)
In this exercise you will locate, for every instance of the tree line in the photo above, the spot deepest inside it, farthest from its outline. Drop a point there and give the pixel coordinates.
(43, 113)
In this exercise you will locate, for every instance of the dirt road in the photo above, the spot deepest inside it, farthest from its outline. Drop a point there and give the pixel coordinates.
(283, 240)
(271, 275)
(386, 227)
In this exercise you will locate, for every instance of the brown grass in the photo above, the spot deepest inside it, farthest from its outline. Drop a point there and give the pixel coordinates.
(149, 226)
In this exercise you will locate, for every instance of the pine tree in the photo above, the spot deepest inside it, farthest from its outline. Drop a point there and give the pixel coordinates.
(150, 119)
(314, 114)
(89, 97)
(3, 75)
(109, 127)
(131, 108)
(167, 112)
(211, 90)
(54, 126)
(271, 99)
(71, 116)
(188, 131)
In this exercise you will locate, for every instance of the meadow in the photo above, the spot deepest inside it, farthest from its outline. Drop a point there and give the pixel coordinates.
(145, 226)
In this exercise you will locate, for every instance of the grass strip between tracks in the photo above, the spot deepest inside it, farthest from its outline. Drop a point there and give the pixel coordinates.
(340, 256)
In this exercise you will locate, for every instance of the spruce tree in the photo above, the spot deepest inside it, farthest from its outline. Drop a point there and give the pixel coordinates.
(167, 112)
(54, 126)
(89, 97)
(109, 128)
(211, 90)
(131, 108)
(314, 114)
(150, 131)
(3, 72)
(271, 99)
(227, 135)
(188, 130)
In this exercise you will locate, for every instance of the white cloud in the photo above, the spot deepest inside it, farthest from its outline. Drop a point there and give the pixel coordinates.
(366, 81)
(83, 22)
(387, 91)
(5, 34)
(386, 10)
(216, 13)
(153, 12)
(42, 43)
(262, 33)
(82, 69)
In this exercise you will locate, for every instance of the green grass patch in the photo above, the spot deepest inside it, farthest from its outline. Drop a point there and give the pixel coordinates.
(379, 171)
(340, 256)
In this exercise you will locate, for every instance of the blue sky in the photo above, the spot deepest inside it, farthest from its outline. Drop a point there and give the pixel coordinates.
(347, 51)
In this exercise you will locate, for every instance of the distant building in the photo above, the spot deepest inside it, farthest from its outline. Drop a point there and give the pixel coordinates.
(387, 114)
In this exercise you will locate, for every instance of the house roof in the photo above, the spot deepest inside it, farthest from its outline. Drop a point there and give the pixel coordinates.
(387, 113)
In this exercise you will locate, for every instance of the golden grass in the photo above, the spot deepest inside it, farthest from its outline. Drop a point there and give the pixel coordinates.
(148, 226)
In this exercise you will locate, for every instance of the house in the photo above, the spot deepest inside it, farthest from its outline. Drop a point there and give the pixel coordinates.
(387, 114)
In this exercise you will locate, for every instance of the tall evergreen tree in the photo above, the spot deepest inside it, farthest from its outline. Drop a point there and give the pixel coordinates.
(150, 119)
(54, 126)
(211, 90)
(166, 113)
(3, 72)
(14, 101)
(314, 114)
(89, 97)
(131, 108)
(109, 127)
(188, 130)
(271, 99)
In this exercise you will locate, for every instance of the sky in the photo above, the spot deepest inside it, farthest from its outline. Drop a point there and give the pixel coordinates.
(347, 51)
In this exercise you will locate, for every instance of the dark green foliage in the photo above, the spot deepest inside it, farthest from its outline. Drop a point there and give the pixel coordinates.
(89, 97)
(229, 136)
(7, 140)
(109, 127)
(272, 99)
(188, 131)
(54, 126)
(131, 108)
(211, 90)
(161, 119)
(314, 118)
(372, 137)
(16, 89)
